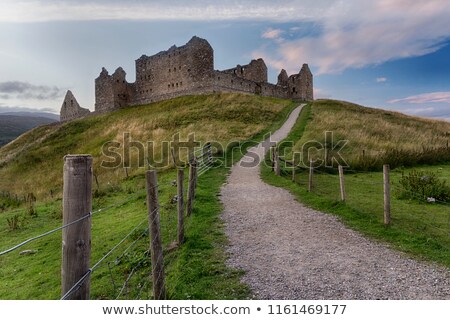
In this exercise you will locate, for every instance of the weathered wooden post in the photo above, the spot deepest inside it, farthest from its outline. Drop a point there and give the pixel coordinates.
(180, 178)
(191, 186)
(272, 151)
(172, 152)
(159, 291)
(293, 168)
(341, 182)
(310, 178)
(387, 195)
(76, 238)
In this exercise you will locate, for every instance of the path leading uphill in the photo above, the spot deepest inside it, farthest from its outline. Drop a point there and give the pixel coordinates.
(290, 251)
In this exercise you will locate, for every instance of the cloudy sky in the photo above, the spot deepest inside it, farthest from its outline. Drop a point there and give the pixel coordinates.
(392, 54)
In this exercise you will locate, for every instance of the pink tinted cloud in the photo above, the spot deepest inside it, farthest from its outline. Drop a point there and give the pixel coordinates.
(272, 33)
(360, 33)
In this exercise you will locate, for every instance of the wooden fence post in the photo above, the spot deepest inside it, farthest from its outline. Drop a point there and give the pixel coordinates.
(159, 291)
(341, 182)
(76, 238)
(191, 187)
(311, 172)
(277, 164)
(272, 151)
(180, 178)
(172, 152)
(293, 168)
(387, 195)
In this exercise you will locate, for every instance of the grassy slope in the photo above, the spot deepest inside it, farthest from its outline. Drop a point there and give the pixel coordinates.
(196, 270)
(33, 163)
(377, 132)
(418, 229)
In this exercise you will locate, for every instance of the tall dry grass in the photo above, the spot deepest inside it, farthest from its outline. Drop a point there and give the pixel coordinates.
(377, 136)
(34, 162)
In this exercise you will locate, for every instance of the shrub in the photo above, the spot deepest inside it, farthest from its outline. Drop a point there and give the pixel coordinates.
(13, 222)
(421, 185)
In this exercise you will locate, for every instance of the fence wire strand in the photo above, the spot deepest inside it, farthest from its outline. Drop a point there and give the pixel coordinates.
(80, 282)
(90, 214)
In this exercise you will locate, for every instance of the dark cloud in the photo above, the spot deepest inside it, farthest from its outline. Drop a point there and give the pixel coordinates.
(25, 91)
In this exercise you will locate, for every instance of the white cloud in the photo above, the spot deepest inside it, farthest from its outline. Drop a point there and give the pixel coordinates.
(272, 33)
(433, 97)
(321, 94)
(353, 33)
(49, 10)
(381, 79)
(356, 34)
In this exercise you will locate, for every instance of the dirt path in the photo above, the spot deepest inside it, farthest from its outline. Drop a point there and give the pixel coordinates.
(290, 251)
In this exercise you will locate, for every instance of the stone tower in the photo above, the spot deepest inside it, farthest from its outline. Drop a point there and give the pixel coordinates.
(70, 108)
(112, 92)
(301, 85)
(306, 84)
(283, 78)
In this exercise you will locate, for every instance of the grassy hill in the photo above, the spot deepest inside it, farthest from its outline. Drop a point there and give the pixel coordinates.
(374, 136)
(33, 163)
(12, 126)
(196, 270)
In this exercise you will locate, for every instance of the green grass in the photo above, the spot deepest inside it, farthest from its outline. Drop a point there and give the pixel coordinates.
(196, 270)
(419, 229)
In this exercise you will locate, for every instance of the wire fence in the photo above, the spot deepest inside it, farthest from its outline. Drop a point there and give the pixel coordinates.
(124, 271)
(364, 193)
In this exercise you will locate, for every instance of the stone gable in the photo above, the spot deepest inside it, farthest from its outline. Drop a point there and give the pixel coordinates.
(70, 108)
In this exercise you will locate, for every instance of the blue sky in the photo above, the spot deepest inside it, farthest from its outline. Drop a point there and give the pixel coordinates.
(392, 54)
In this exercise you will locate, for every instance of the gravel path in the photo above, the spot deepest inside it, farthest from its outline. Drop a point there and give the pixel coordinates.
(290, 251)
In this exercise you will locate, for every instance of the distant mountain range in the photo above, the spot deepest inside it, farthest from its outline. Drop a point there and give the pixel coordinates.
(13, 124)
(37, 114)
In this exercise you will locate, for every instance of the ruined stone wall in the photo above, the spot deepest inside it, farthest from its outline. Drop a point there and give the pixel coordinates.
(177, 71)
(70, 109)
(104, 92)
(229, 82)
(189, 70)
(255, 71)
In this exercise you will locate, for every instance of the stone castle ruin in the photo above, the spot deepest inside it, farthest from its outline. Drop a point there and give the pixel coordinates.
(187, 70)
